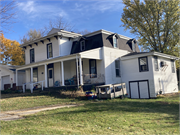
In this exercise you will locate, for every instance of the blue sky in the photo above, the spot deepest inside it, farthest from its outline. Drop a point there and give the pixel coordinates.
(91, 15)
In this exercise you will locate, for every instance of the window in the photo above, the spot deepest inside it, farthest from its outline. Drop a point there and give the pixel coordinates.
(50, 74)
(156, 63)
(172, 66)
(35, 75)
(114, 42)
(117, 68)
(82, 45)
(92, 68)
(49, 50)
(133, 47)
(31, 55)
(143, 64)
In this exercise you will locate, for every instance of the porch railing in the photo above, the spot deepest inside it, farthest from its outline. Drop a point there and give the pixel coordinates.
(32, 85)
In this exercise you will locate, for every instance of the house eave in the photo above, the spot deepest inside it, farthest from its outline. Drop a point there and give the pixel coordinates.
(62, 33)
(150, 54)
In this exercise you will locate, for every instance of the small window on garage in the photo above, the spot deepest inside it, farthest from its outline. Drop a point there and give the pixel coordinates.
(143, 64)
(172, 66)
(156, 63)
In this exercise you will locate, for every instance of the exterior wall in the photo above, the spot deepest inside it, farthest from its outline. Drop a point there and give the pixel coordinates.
(57, 72)
(164, 79)
(65, 46)
(110, 55)
(130, 72)
(6, 72)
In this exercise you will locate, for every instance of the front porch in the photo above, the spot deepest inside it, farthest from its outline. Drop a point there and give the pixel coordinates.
(72, 70)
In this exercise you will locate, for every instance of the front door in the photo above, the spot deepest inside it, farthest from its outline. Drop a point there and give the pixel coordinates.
(50, 77)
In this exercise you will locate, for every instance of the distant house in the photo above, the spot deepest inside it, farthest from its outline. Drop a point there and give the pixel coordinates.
(8, 77)
(100, 57)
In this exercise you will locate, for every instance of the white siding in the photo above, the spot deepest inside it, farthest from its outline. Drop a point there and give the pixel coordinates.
(110, 55)
(65, 46)
(28, 77)
(40, 51)
(130, 72)
(164, 79)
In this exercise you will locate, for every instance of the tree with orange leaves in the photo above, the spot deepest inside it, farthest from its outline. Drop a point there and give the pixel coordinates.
(10, 52)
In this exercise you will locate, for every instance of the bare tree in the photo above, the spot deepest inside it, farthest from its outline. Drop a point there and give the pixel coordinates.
(58, 23)
(7, 14)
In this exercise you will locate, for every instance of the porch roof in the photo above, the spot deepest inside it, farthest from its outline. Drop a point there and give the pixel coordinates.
(91, 54)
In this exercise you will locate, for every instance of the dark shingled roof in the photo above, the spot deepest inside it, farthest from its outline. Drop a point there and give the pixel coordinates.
(134, 53)
(101, 40)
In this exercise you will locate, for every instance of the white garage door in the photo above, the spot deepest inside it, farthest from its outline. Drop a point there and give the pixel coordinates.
(134, 90)
(143, 89)
(139, 89)
(5, 80)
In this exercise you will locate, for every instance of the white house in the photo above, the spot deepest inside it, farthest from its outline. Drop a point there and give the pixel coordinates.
(72, 59)
(8, 76)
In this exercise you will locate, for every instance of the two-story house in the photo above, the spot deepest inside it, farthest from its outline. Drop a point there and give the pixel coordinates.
(100, 57)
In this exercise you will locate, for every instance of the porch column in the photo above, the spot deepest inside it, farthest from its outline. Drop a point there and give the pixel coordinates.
(16, 77)
(77, 70)
(45, 73)
(62, 72)
(80, 68)
(31, 74)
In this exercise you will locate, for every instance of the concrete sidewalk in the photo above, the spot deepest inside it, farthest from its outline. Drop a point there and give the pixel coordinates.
(18, 114)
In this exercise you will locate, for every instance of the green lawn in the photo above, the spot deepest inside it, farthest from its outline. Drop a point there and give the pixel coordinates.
(127, 116)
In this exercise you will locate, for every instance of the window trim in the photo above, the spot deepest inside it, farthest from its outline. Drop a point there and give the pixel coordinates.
(147, 64)
(48, 50)
(118, 68)
(83, 41)
(30, 55)
(90, 68)
(114, 37)
(156, 68)
(173, 66)
(35, 68)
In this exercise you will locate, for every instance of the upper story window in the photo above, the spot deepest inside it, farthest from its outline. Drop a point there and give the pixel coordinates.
(49, 50)
(156, 63)
(114, 42)
(82, 43)
(31, 55)
(172, 66)
(143, 64)
(92, 68)
(117, 68)
(133, 47)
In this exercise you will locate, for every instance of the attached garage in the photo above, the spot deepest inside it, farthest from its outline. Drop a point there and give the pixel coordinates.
(5, 80)
(139, 89)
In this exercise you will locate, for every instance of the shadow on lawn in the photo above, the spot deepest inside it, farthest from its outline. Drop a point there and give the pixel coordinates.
(128, 106)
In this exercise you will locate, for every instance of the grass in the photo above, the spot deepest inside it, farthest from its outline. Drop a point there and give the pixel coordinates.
(127, 116)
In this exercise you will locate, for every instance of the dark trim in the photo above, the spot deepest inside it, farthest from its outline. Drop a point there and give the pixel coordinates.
(90, 68)
(70, 38)
(30, 46)
(139, 88)
(42, 41)
(56, 37)
(24, 47)
(36, 43)
(147, 64)
(49, 39)
(51, 50)
(30, 55)
(156, 58)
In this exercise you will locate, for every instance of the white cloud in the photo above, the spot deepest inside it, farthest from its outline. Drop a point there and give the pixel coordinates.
(34, 9)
